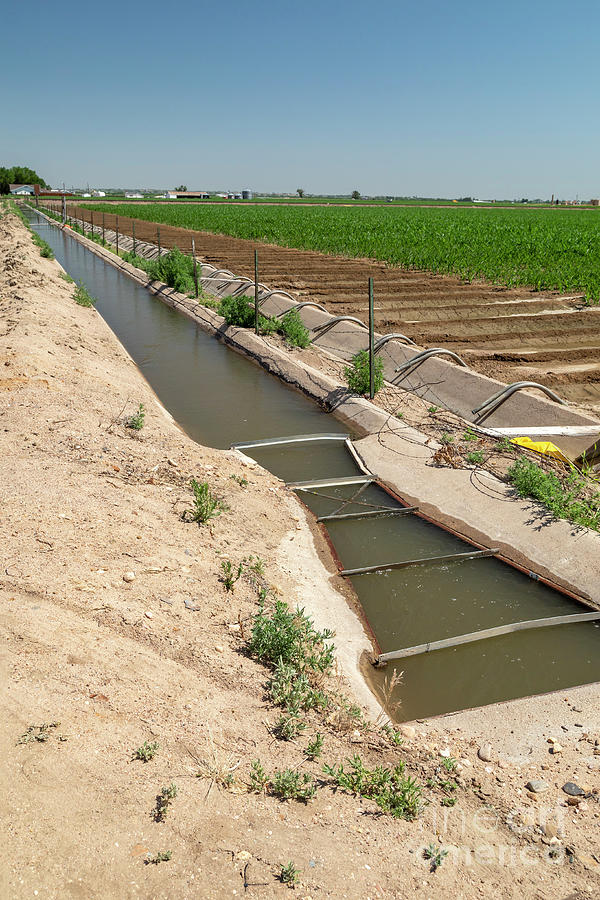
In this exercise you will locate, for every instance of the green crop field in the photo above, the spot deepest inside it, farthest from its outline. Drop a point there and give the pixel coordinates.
(543, 248)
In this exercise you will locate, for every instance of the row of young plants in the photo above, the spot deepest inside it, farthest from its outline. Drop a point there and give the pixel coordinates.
(541, 248)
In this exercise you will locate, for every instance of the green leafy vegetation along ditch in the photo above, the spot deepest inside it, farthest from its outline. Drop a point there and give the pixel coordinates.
(545, 249)
(569, 498)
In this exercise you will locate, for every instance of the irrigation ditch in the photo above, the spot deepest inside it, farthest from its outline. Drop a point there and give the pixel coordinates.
(430, 571)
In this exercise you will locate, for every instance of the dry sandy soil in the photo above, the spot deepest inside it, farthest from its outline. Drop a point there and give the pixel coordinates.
(512, 334)
(161, 657)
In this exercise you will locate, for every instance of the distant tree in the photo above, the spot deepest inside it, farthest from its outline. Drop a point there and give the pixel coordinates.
(19, 175)
(182, 187)
(300, 192)
(356, 195)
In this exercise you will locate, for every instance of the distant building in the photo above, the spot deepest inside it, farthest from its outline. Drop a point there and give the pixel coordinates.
(20, 190)
(221, 195)
(98, 193)
(190, 195)
(232, 195)
(247, 195)
(595, 202)
(132, 195)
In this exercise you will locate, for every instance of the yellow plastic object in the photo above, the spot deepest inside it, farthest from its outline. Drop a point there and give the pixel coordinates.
(547, 448)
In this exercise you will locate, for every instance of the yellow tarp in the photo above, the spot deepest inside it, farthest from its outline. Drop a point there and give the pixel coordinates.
(547, 448)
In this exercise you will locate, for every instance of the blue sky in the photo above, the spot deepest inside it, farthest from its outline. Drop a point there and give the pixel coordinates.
(431, 98)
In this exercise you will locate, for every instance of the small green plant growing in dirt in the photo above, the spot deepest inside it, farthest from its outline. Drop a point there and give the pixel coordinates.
(258, 777)
(393, 736)
(45, 249)
(137, 419)
(449, 801)
(237, 311)
(504, 446)
(255, 564)
(449, 763)
(392, 791)
(163, 802)
(469, 435)
(432, 410)
(243, 482)
(229, 575)
(66, 277)
(435, 855)
(40, 733)
(357, 373)
(161, 856)
(206, 505)
(446, 439)
(475, 457)
(288, 784)
(82, 297)
(289, 726)
(293, 329)
(289, 874)
(314, 748)
(146, 752)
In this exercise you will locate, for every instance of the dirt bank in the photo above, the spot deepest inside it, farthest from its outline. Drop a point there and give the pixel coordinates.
(160, 658)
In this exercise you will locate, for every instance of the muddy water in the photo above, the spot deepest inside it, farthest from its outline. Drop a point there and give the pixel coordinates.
(220, 397)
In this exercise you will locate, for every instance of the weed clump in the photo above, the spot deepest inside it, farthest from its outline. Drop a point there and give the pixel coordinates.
(284, 636)
(163, 802)
(206, 505)
(289, 874)
(147, 751)
(136, 421)
(294, 330)
(357, 373)
(394, 793)
(565, 501)
(82, 297)
(161, 856)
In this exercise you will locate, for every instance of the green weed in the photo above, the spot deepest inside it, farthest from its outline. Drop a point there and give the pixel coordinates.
(243, 482)
(40, 733)
(258, 777)
(229, 575)
(66, 277)
(206, 505)
(284, 636)
(469, 435)
(432, 409)
(314, 748)
(435, 855)
(475, 457)
(293, 329)
(565, 501)
(163, 802)
(394, 793)
(446, 439)
(136, 420)
(146, 752)
(288, 784)
(289, 874)
(161, 856)
(357, 373)
(82, 297)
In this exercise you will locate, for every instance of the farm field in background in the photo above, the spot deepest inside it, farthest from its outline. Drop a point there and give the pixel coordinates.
(510, 333)
(543, 249)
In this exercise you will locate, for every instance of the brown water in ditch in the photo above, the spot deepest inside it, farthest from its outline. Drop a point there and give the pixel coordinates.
(220, 397)
(421, 603)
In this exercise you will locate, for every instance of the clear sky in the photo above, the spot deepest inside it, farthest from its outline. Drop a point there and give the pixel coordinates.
(427, 97)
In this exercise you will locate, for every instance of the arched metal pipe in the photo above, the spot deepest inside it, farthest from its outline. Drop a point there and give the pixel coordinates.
(416, 361)
(490, 405)
(300, 306)
(320, 329)
(396, 336)
(218, 273)
(275, 291)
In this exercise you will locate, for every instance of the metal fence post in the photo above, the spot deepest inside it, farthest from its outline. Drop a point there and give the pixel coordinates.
(103, 240)
(158, 239)
(371, 342)
(117, 232)
(92, 223)
(133, 235)
(256, 291)
(195, 267)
